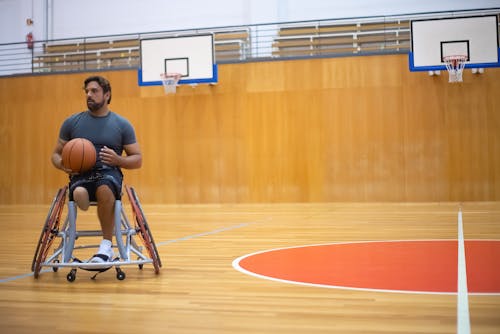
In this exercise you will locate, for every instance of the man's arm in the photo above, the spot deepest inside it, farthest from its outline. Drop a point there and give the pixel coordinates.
(57, 156)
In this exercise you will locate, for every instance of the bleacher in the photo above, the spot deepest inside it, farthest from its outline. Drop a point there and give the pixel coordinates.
(83, 55)
(232, 44)
(80, 55)
(351, 38)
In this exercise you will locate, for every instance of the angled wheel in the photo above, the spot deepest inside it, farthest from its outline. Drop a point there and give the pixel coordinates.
(49, 231)
(71, 275)
(120, 274)
(142, 227)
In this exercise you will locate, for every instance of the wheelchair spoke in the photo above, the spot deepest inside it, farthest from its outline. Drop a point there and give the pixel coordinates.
(142, 228)
(49, 231)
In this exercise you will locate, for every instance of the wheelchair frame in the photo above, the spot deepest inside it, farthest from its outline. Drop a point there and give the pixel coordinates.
(124, 237)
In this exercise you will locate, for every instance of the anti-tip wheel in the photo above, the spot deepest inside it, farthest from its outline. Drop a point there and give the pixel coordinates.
(120, 275)
(71, 276)
(55, 269)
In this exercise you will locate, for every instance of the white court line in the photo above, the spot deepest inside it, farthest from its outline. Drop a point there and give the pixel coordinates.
(13, 278)
(463, 316)
(203, 234)
(223, 229)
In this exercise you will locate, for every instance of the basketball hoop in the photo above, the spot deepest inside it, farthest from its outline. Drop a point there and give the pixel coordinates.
(455, 66)
(170, 81)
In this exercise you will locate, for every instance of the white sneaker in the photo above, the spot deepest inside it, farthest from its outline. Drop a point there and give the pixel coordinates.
(102, 257)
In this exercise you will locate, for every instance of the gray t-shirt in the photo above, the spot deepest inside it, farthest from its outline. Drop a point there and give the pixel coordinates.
(112, 131)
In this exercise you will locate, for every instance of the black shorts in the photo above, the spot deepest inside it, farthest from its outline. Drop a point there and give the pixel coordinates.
(112, 177)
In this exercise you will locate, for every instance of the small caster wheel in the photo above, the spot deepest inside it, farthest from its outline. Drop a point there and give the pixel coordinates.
(120, 275)
(71, 275)
(55, 269)
(141, 266)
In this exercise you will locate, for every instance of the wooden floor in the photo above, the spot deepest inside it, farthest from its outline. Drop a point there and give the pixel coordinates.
(198, 291)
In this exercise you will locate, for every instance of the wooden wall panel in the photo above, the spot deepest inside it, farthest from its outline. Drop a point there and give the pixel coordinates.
(317, 130)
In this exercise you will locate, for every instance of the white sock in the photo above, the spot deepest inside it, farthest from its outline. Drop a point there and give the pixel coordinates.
(106, 247)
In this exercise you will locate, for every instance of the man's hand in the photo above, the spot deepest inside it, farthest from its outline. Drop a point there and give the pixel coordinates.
(109, 157)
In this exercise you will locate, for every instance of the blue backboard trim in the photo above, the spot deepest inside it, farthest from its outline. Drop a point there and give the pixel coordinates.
(413, 68)
(213, 79)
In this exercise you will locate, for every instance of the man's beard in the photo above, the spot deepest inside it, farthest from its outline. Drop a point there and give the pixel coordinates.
(93, 106)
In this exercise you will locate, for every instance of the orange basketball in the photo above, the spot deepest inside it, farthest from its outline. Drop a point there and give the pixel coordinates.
(79, 155)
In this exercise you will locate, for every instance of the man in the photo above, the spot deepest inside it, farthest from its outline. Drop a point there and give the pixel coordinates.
(111, 134)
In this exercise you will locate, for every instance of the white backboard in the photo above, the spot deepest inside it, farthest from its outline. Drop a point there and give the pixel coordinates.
(475, 37)
(191, 56)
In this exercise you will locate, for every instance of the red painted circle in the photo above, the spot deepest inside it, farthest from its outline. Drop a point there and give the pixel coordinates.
(417, 266)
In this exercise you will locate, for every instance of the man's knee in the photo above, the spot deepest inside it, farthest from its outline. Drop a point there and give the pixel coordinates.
(81, 198)
(104, 194)
(113, 183)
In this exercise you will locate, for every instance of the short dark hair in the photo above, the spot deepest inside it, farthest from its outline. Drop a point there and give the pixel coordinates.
(101, 81)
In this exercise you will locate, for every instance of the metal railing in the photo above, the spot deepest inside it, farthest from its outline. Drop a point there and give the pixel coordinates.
(262, 42)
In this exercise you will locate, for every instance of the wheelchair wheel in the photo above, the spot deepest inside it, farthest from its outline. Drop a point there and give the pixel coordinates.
(49, 231)
(142, 227)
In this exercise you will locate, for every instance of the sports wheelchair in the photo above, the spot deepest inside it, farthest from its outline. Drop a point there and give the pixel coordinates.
(125, 235)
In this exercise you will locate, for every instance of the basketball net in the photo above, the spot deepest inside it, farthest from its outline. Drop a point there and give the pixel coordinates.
(455, 66)
(169, 81)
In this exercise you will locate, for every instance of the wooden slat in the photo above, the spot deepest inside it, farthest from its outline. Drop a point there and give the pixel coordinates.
(235, 46)
(125, 62)
(117, 54)
(333, 40)
(384, 26)
(65, 67)
(292, 43)
(54, 61)
(314, 51)
(385, 46)
(228, 56)
(336, 49)
(221, 36)
(132, 43)
(298, 31)
(383, 37)
(88, 46)
(59, 48)
(293, 52)
(66, 58)
(337, 28)
(313, 42)
(335, 44)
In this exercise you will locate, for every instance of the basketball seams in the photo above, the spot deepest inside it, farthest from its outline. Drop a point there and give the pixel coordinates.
(70, 154)
(82, 157)
(82, 149)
